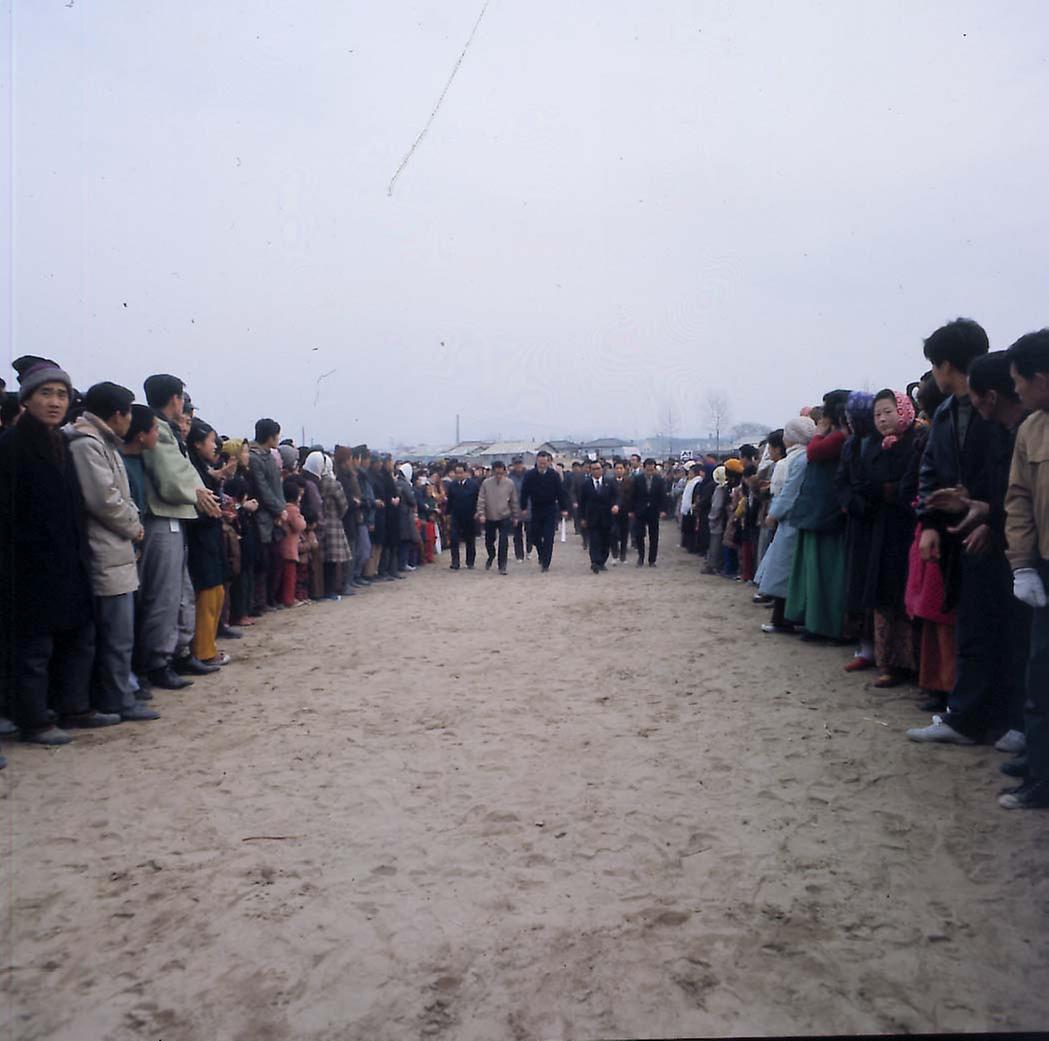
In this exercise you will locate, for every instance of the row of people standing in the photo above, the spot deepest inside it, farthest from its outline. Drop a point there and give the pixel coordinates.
(915, 523)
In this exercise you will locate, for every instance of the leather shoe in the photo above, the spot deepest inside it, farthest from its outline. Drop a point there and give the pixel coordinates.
(167, 679)
(1015, 767)
(50, 736)
(139, 713)
(190, 666)
(227, 632)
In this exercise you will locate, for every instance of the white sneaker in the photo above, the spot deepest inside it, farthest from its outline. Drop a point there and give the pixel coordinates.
(1011, 741)
(940, 732)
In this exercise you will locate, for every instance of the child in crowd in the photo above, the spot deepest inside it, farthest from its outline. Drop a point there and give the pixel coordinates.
(294, 526)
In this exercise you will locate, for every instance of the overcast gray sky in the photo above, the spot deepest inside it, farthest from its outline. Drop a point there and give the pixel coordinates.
(618, 205)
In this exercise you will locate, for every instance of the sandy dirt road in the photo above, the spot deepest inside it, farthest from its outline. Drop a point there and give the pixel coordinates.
(539, 806)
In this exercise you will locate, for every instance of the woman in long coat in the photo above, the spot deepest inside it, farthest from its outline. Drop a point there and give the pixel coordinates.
(773, 575)
(816, 597)
(853, 482)
(336, 547)
(891, 464)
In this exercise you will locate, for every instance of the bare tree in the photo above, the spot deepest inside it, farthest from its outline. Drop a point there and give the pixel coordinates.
(719, 413)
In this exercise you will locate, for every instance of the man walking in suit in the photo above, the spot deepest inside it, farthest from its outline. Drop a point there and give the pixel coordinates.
(649, 506)
(621, 523)
(543, 496)
(462, 510)
(598, 508)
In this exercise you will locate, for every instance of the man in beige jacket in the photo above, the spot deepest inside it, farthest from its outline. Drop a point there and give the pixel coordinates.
(113, 527)
(498, 510)
(1027, 537)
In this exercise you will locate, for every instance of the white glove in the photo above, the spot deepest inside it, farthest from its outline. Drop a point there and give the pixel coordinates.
(1028, 587)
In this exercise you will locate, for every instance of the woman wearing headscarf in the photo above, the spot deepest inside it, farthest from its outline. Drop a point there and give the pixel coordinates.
(853, 484)
(409, 531)
(773, 575)
(716, 520)
(816, 595)
(688, 515)
(336, 548)
(890, 465)
(312, 507)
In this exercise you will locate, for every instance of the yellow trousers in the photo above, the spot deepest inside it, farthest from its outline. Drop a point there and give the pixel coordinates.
(209, 609)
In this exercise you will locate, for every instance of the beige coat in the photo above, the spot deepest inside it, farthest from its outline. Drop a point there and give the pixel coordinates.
(498, 500)
(111, 516)
(1027, 500)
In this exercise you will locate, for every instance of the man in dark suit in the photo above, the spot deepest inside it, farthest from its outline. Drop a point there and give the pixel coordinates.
(462, 510)
(598, 508)
(649, 505)
(575, 482)
(543, 496)
(621, 524)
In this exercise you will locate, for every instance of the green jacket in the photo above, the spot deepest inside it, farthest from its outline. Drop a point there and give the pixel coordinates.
(172, 481)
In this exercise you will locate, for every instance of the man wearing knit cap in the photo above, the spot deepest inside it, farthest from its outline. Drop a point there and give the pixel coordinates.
(45, 599)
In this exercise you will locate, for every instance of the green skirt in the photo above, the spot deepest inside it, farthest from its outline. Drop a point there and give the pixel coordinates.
(816, 593)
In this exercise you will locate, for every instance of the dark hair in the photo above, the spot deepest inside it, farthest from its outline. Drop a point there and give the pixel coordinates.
(161, 388)
(142, 420)
(265, 429)
(498, 465)
(236, 488)
(575, 462)
(928, 397)
(886, 394)
(545, 454)
(634, 455)
(775, 440)
(198, 432)
(292, 489)
(958, 342)
(991, 372)
(748, 452)
(834, 402)
(1030, 354)
(107, 399)
(649, 460)
(10, 406)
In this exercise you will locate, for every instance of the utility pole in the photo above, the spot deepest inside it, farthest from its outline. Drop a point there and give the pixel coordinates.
(457, 428)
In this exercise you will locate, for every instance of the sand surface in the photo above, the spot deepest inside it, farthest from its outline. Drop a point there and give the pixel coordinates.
(539, 806)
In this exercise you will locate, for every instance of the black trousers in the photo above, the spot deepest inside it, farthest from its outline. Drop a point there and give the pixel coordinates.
(500, 529)
(1036, 708)
(620, 535)
(993, 634)
(463, 531)
(651, 525)
(522, 540)
(542, 530)
(59, 663)
(600, 538)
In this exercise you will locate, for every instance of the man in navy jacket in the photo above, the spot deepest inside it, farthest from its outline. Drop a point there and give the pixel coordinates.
(462, 513)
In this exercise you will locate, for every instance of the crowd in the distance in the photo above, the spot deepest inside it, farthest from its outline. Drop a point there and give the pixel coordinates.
(914, 525)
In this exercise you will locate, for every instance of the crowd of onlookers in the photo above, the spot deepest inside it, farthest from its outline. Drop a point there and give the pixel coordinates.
(912, 524)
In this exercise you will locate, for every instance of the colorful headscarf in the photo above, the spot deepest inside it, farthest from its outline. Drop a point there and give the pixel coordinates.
(904, 419)
(860, 411)
(720, 477)
(734, 466)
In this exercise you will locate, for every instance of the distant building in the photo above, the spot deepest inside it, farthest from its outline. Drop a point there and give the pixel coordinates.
(507, 451)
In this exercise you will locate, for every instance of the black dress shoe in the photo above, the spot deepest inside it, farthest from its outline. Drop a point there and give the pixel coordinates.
(651, 563)
(596, 570)
(936, 703)
(1015, 767)
(488, 563)
(641, 562)
(190, 666)
(167, 679)
(453, 567)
